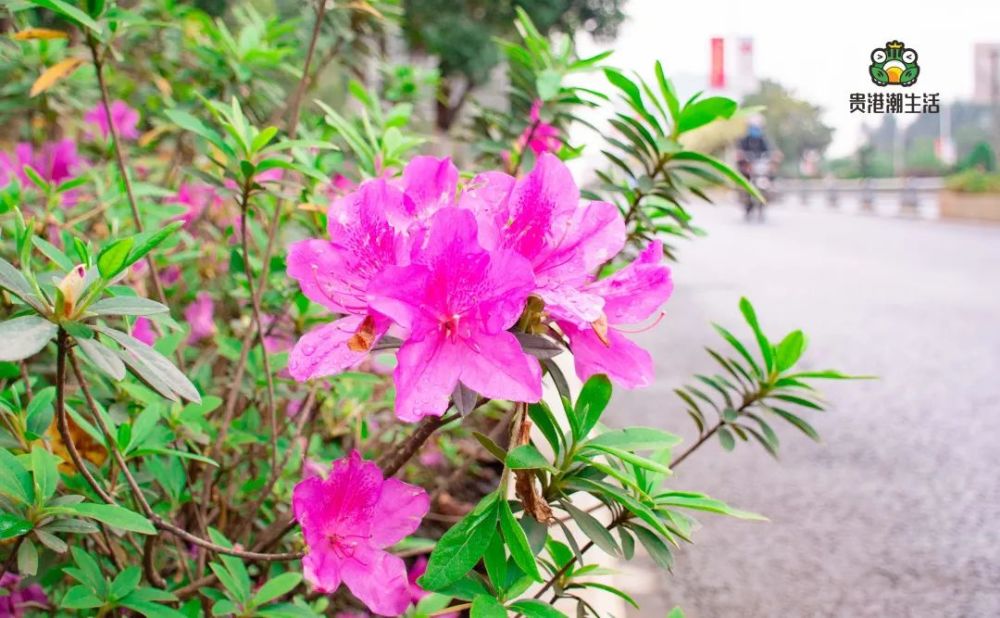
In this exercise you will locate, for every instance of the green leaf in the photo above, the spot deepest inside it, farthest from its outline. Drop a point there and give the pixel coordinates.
(40, 411)
(533, 608)
(593, 399)
(636, 439)
(495, 560)
(102, 357)
(127, 305)
(790, 350)
(125, 582)
(655, 547)
(12, 526)
(70, 12)
(702, 112)
(726, 439)
(517, 542)
(15, 481)
(114, 258)
(112, 515)
(88, 572)
(27, 558)
(153, 367)
(484, 606)
(14, 282)
(44, 468)
(801, 424)
(25, 336)
(765, 346)
(700, 502)
(460, 548)
(631, 458)
(543, 418)
(733, 176)
(527, 457)
(276, 587)
(53, 253)
(147, 241)
(494, 449)
(79, 597)
(548, 83)
(594, 529)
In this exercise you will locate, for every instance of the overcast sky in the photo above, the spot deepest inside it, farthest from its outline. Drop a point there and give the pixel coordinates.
(819, 49)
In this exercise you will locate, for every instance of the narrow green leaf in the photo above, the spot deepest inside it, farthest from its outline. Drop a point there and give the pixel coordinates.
(127, 305)
(636, 439)
(24, 337)
(533, 608)
(484, 606)
(527, 457)
(790, 350)
(12, 526)
(276, 587)
(765, 346)
(594, 529)
(517, 542)
(153, 367)
(460, 548)
(15, 481)
(593, 399)
(102, 357)
(114, 258)
(115, 516)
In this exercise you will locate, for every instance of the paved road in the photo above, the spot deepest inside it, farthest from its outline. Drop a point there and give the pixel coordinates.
(897, 511)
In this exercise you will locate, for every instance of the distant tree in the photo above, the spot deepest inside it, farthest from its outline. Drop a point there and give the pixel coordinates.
(981, 158)
(793, 124)
(460, 33)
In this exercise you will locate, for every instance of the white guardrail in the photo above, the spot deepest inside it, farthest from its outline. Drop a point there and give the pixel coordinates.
(886, 196)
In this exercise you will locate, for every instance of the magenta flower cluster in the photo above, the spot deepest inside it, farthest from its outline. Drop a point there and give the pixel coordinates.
(348, 520)
(450, 273)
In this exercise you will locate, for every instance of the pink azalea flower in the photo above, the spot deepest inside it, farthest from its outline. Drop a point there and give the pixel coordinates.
(457, 301)
(539, 136)
(20, 600)
(125, 119)
(370, 229)
(199, 316)
(54, 162)
(143, 330)
(170, 275)
(348, 519)
(631, 295)
(539, 217)
(196, 197)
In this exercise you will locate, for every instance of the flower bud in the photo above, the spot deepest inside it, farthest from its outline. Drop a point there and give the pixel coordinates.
(71, 287)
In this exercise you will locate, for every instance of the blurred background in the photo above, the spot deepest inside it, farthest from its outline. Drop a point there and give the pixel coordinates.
(880, 239)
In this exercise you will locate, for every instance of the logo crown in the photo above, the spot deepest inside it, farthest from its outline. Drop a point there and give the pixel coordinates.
(894, 45)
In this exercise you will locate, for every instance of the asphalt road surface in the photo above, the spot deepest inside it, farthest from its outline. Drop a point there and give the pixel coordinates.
(897, 511)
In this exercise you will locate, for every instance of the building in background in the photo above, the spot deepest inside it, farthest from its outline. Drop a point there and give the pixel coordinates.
(731, 71)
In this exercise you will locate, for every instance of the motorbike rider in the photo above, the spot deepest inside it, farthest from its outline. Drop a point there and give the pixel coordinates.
(754, 161)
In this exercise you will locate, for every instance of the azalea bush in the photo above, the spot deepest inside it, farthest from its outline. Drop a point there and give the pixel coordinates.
(263, 355)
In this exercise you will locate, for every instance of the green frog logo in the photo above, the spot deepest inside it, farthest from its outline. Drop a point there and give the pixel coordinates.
(895, 64)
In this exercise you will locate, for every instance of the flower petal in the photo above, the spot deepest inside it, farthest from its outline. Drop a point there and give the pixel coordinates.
(342, 504)
(500, 369)
(322, 567)
(326, 349)
(325, 276)
(633, 293)
(378, 579)
(425, 376)
(429, 184)
(624, 362)
(400, 509)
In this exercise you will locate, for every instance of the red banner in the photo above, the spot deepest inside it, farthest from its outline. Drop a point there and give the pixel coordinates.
(717, 77)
